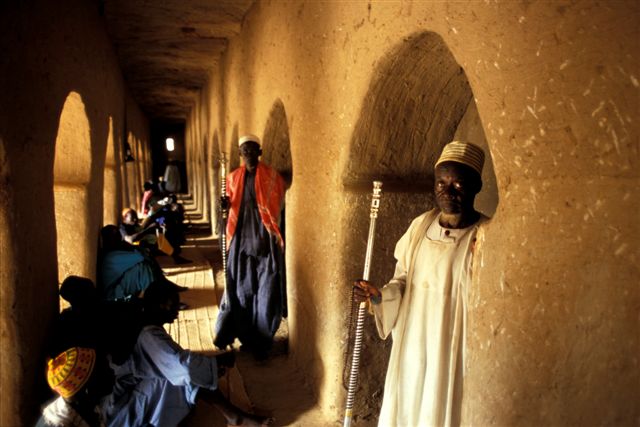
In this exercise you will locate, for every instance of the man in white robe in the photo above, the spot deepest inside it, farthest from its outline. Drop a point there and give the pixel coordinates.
(424, 304)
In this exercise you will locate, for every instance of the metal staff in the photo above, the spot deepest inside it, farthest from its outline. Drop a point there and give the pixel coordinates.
(357, 346)
(224, 213)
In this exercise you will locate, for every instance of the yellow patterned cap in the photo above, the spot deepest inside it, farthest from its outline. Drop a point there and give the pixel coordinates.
(465, 153)
(70, 370)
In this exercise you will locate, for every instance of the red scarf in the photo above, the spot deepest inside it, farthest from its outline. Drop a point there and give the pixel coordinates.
(270, 188)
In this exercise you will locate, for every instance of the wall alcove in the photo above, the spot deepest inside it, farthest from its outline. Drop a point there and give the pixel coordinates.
(215, 156)
(276, 146)
(71, 175)
(233, 156)
(418, 100)
(111, 179)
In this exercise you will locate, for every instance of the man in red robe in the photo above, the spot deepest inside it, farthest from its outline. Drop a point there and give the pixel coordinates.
(255, 297)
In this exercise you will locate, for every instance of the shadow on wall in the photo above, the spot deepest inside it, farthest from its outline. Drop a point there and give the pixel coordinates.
(112, 179)
(214, 161)
(276, 152)
(207, 165)
(276, 146)
(415, 105)
(234, 152)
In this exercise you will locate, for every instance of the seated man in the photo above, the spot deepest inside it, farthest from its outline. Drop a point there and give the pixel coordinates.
(160, 381)
(147, 198)
(134, 233)
(169, 215)
(109, 327)
(124, 271)
(78, 324)
(80, 380)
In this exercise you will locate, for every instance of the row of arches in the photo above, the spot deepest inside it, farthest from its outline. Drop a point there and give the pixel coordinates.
(418, 100)
(126, 166)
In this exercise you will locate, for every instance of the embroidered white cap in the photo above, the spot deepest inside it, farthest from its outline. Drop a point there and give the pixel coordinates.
(463, 152)
(248, 137)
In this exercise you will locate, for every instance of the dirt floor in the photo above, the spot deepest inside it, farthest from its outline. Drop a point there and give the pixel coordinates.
(274, 387)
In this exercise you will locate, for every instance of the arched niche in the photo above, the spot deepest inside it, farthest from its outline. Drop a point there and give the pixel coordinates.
(71, 176)
(139, 166)
(124, 172)
(418, 100)
(276, 146)
(200, 176)
(234, 154)
(132, 172)
(206, 172)
(215, 156)
(111, 180)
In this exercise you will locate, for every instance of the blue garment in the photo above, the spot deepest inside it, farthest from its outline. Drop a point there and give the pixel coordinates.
(157, 385)
(126, 273)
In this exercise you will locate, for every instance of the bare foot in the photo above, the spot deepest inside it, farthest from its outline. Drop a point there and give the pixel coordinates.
(249, 420)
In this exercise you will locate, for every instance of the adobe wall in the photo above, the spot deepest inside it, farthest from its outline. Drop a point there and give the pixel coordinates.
(552, 336)
(51, 52)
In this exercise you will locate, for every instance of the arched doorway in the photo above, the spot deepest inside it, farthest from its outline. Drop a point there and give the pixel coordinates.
(111, 180)
(214, 162)
(71, 175)
(419, 99)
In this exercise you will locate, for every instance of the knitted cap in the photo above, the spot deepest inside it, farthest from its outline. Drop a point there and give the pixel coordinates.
(463, 152)
(70, 370)
(248, 137)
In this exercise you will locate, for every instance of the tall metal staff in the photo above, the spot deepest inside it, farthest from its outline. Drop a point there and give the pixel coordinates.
(224, 213)
(357, 346)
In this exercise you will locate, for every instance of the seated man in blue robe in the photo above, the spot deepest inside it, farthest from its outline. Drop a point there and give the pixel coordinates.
(124, 271)
(160, 382)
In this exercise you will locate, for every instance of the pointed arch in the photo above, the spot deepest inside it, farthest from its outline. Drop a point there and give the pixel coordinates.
(276, 146)
(71, 175)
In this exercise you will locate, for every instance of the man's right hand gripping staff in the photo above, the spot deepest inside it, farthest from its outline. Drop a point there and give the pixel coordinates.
(363, 290)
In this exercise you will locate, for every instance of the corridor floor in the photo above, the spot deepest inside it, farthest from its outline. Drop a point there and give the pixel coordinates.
(274, 387)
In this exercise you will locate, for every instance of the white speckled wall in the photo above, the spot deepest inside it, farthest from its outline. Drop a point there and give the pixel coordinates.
(553, 326)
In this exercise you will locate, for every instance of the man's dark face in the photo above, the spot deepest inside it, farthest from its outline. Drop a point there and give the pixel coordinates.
(456, 186)
(250, 152)
(130, 218)
(170, 308)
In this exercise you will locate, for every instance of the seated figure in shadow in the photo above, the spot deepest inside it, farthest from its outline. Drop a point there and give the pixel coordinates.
(77, 364)
(124, 271)
(168, 215)
(77, 375)
(133, 232)
(149, 197)
(159, 383)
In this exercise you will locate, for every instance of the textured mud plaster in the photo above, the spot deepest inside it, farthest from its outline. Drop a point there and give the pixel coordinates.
(553, 311)
(276, 146)
(53, 52)
(417, 97)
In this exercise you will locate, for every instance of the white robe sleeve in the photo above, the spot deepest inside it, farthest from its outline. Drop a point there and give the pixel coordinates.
(387, 311)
